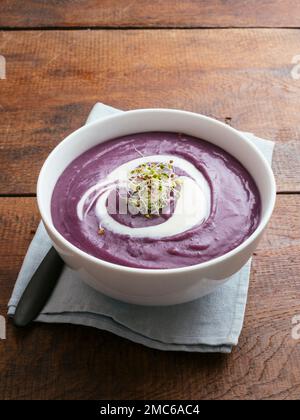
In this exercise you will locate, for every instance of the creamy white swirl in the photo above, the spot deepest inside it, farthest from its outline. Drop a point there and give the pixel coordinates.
(192, 206)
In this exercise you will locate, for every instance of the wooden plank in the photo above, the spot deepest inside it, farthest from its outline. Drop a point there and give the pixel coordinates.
(143, 13)
(70, 362)
(242, 77)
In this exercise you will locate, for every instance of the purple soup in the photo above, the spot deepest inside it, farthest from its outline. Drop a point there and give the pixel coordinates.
(211, 207)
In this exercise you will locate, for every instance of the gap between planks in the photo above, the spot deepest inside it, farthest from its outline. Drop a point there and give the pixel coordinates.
(132, 28)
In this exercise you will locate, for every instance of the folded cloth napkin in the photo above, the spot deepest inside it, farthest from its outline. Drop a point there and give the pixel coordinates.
(210, 324)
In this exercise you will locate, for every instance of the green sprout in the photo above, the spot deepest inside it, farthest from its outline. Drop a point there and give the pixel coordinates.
(151, 187)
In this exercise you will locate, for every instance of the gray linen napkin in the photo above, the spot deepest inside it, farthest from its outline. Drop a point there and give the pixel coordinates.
(210, 324)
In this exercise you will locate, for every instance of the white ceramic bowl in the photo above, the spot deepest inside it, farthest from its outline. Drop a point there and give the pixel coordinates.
(163, 286)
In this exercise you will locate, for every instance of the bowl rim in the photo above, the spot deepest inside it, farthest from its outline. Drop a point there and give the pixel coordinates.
(154, 271)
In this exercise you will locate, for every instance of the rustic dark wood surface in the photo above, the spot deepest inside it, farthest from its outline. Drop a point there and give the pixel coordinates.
(241, 76)
(144, 13)
(50, 361)
(53, 79)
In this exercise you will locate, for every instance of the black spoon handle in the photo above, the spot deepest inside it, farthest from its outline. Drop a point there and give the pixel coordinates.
(39, 289)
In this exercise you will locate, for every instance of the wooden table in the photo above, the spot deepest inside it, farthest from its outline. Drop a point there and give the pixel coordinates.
(230, 60)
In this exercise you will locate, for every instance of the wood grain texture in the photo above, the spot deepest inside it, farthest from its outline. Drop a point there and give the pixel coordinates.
(144, 13)
(242, 77)
(72, 362)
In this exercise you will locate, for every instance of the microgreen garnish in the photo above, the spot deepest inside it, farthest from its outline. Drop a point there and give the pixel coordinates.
(151, 187)
(101, 231)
